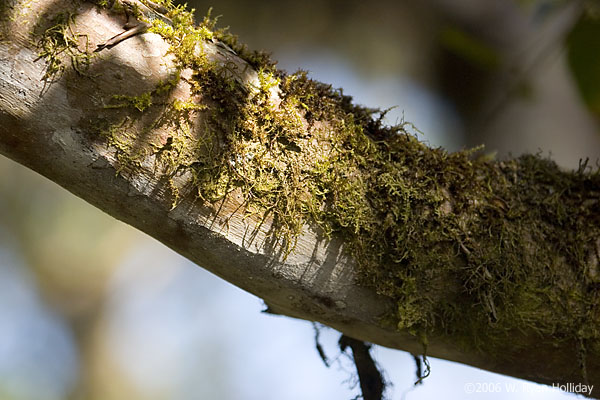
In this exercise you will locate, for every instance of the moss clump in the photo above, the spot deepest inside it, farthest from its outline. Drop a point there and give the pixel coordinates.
(140, 103)
(58, 42)
(421, 221)
(7, 9)
(465, 246)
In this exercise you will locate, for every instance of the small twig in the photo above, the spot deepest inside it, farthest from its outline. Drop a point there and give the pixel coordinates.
(372, 384)
(319, 347)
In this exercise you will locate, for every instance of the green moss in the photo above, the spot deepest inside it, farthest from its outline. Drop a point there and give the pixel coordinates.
(140, 103)
(7, 11)
(465, 246)
(58, 42)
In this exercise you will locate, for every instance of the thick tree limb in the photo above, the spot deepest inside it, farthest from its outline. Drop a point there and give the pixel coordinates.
(72, 132)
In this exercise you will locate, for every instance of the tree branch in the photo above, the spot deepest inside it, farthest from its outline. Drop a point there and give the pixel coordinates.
(282, 187)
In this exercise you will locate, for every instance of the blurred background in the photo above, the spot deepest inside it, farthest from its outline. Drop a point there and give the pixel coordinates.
(92, 309)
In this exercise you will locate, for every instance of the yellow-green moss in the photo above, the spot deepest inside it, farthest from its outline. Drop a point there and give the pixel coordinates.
(140, 103)
(58, 42)
(465, 246)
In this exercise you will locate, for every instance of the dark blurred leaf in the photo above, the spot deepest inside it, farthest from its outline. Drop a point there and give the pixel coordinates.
(470, 48)
(583, 44)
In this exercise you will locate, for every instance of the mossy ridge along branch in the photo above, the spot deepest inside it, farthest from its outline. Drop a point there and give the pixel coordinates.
(417, 220)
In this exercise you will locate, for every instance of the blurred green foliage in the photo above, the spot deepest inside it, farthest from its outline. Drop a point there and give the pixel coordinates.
(470, 48)
(583, 45)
